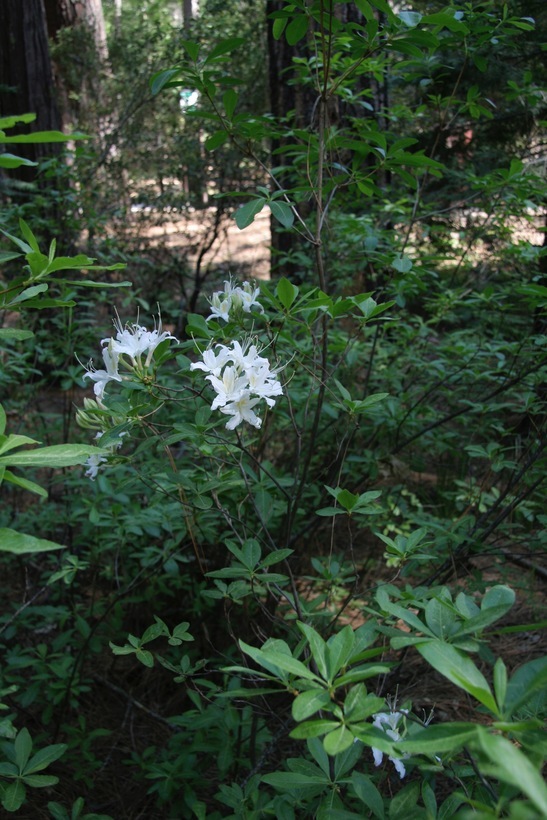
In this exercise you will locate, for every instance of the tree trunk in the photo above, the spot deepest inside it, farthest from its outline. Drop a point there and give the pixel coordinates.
(26, 82)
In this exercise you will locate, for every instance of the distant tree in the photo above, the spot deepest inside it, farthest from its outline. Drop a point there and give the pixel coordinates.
(26, 81)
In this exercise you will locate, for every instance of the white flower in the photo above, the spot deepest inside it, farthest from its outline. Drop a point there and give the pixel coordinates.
(248, 296)
(241, 377)
(390, 720)
(228, 388)
(242, 410)
(213, 362)
(102, 377)
(93, 464)
(220, 307)
(262, 383)
(134, 340)
(233, 299)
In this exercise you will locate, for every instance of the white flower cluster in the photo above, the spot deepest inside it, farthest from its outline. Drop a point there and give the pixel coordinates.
(233, 299)
(131, 340)
(241, 378)
(388, 721)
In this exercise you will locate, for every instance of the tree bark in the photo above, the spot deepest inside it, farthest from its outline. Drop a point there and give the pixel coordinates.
(26, 82)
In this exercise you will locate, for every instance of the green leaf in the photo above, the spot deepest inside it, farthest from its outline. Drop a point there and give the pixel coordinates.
(500, 681)
(28, 293)
(283, 212)
(216, 140)
(528, 679)
(367, 792)
(338, 741)
(444, 737)
(13, 161)
(161, 79)
(318, 648)
(286, 292)
(21, 544)
(15, 334)
(44, 136)
(23, 748)
(40, 781)
(25, 484)
(2, 420)
(310, 702)
(314, 728)
(58, 455)
(410, 18)
(297, 29)
(289, 664)
(402, 263)
(512, 766)
(15, 441)
(224, 47)
(339, 650)
(14, 796)
(229, 100)
(459, 669)
(245, 215)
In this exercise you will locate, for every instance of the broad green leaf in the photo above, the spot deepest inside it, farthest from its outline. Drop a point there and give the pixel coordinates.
(444, 737)
(23, 748)
(160, 80)
(245, 215)
(14, 796)
(13, 120)
(339, 650)
(459, 669)
(318, 648)
(12, 441)
(498, 596)
(292, 780)
(40, 781)
(43, 136)
(229, 100)
(297, 29)
(289, 664)
(367, 792)
(338, 741)
(225, 47)
(283, 212)
(402, 263)
(314, 728)
(58, 455)
(2, 420)
(28, 293)
(24, 483)
(13, 161)
(500, 681)
(528, 679)
(21, 544)
(310, 702)
(15, 334)
(216, 140)
(512, 766)
(286, 292)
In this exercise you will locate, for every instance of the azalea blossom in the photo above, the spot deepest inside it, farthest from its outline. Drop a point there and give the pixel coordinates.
(242, 410)
(229, 388)
(93, 463)
(241, 377)
(102, 377)
(388, 721)
(213, 362)
(225, 303)
(133, 340)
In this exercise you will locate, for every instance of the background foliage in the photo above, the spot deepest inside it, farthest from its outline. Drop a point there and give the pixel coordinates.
(245, 622)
